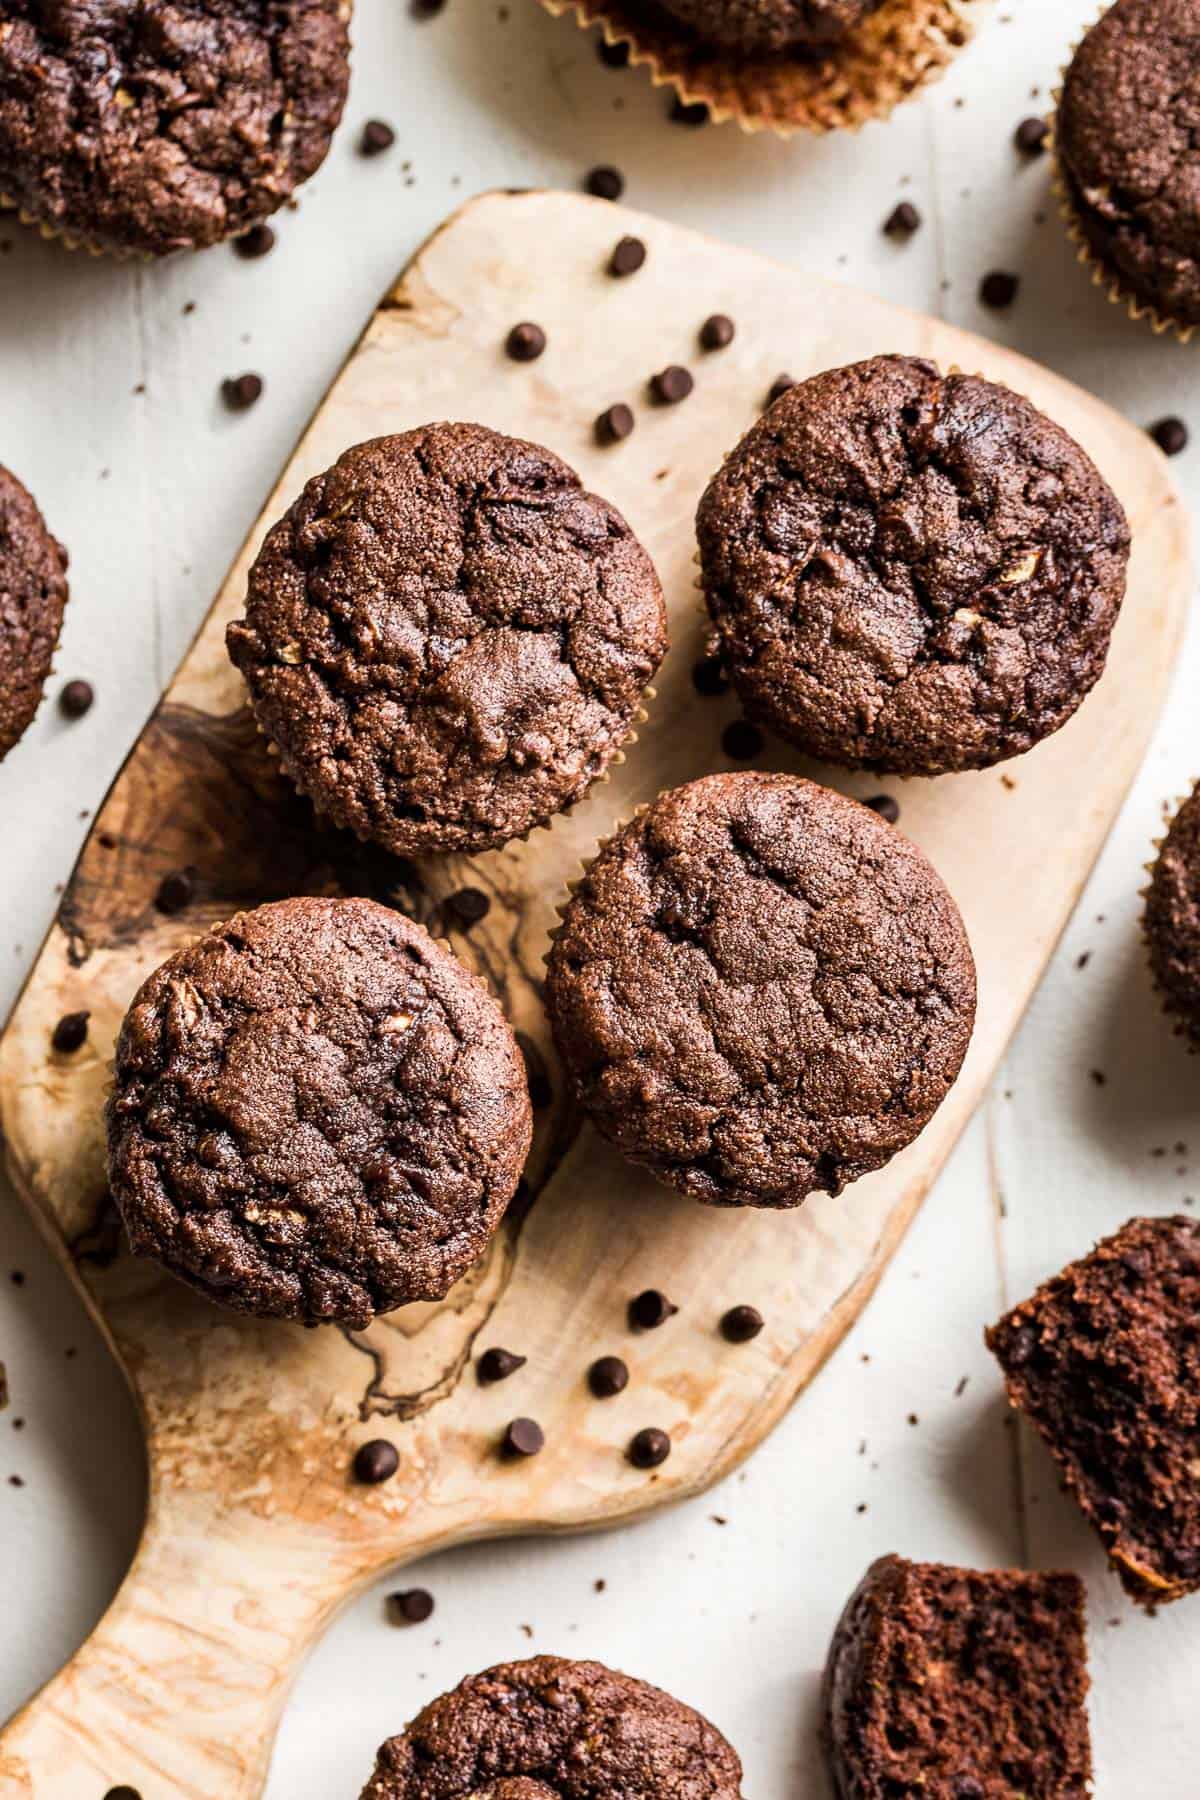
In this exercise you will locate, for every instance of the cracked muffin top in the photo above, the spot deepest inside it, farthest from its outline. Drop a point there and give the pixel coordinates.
(911, 572)
(760, 989)
(757, 26)
(550, 1729)
(1127, 138)
(159, 125)
(33, 594)
(1172, 920)
(318, 1113)
(447, 639)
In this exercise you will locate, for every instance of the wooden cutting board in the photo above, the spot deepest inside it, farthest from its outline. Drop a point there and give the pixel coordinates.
(256, 1533)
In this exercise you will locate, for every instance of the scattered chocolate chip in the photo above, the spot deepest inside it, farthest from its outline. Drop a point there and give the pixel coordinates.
(16, 1481)
(122, 1793)
(241, 391)
(1022, 1346)
(651, 1309)
(741, 740)
(709, 677)
(258, 241)
(1171, 436)
(780, 386)
(175, 891)
(717, 332)
(629, 253)
(605, 182)
(412, 1605)
(885, 806)
(76, 699)
(524, 1437)
(999, 289)
(17, 1277)
(613, 56)
(614, 424)
(426, 9)
(607, 1376)
(498, 1365)
(967, 1788)
(377, 136)
(683, 112)
(741, 1323)
(70, 1034)
(671, 385)
(649, 1448)
(1030, 136)
(468, 905)
(525, 342)
(376, 1461)
(902, 221)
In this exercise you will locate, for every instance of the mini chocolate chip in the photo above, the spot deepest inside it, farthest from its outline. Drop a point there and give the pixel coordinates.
(258, 241)
(468, 905)
(613, 56)
(175, 891)
(649, 1448)
(741, 740)
(1109, 1509)
(781, 385)
(629, 253)
(376, 1461)
(607, 1376)
(70, 1034)
(605, 182)
(412, 1605)
(241, 391)
(122, 1793)
(377, 136)
(525, 342)
(967, 1788)
(615, 422)
(1022, 1346)
(709, 677)
(524, 1437)
(683, 112)
(671, 384)
(1171, 436)
(885, 806)
(717, 332)
(76, 699)
(498, 1365)
(741, 1323)
(902, 221)
(651, 1309)
(1030, 136)
(999, 289)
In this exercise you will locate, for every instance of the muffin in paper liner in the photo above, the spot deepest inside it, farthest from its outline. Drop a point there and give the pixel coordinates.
(1156, 908)
(892, 54)
(1103, 274)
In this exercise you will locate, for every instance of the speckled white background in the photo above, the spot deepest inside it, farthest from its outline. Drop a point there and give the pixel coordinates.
(153, 491)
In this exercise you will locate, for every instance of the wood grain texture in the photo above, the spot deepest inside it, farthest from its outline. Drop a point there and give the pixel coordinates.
(256, 1533)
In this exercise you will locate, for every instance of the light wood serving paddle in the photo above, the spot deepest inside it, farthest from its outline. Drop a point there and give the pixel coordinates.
(256, 1532)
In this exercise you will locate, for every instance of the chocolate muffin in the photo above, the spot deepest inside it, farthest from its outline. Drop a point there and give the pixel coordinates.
(953, 1684)
(758, 26)
(447, 639)
(911, 572)
(549, 1729)
(1105, 1361)
(318, 1113)
(760, 989)
(157, 125)
(1128, 144)
(1172, 919)
(33, 593)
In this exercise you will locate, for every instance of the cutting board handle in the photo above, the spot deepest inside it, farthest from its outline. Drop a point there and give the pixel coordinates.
(178, 1693)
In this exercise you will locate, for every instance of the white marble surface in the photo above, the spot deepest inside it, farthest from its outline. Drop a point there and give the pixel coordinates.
(153, 489)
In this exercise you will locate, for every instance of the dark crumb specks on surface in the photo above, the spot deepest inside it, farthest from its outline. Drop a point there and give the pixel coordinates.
(448, 638)
(1105, 1361)
(318, 1113)
(550, 1729)
(911, 572)
(760, 989)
